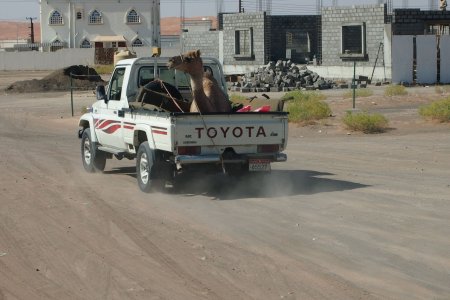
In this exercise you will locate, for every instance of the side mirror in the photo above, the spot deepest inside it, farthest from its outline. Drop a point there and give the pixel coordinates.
(101, 93)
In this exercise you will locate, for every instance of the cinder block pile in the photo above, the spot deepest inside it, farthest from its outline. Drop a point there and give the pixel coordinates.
(281, 76)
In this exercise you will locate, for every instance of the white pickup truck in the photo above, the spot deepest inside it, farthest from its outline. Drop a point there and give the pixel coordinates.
(167, 143)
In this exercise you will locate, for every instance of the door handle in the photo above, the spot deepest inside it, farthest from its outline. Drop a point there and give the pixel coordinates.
(115, 112)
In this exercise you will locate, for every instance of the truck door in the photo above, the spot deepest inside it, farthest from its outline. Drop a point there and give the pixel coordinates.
(108, 123)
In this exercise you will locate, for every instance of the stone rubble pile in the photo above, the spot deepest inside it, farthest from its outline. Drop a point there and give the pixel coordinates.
(281, 76)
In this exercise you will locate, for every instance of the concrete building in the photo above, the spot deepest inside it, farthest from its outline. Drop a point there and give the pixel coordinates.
(246, 40)
(352, 33)
(100, 23)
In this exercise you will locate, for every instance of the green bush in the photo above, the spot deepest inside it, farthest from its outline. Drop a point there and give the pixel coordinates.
(365, 122)
(306, 107)
(438, 110)
(395, 90)
(358, 93)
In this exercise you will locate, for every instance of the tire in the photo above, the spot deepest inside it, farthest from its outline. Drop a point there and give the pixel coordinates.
(93, 160)
(144, 164)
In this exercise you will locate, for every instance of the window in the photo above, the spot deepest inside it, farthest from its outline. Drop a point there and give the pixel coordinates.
(146, 75)
(289, 39)
(55, 18)
(56, 45)
(243, 43)
(174, 77)
(133, 17)
(137, 43)
(79, 15)
(95, 18)
(85, 44)
(440, 29)
(353, 39)
(115, 85)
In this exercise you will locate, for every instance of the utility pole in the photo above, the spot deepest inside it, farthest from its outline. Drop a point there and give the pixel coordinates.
(182, 21)
(31, 28)
(240, 5)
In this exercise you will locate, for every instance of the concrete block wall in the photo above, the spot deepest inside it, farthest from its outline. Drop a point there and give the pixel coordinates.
(240, 21)
(413, 21)
(333, 18)
(282, 24)
(206, 41)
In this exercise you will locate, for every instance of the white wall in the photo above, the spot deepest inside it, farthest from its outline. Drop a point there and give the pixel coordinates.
(73, 31)
(34, 60)
(402, 58)
(426, 59)
(445, 58)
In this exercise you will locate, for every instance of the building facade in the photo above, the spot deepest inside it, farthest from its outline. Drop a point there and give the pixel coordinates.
(352, 33)
(100, 23)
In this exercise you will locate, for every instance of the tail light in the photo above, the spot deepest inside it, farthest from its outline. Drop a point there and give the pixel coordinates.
(268, 148)
(189, 150)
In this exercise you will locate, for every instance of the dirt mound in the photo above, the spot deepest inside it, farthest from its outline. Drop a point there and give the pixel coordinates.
(84, 78)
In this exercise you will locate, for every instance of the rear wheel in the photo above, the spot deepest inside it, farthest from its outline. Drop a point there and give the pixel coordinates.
(93, 159)
(144, 164)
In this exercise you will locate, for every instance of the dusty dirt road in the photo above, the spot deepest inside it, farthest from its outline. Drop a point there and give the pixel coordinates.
(348, 217)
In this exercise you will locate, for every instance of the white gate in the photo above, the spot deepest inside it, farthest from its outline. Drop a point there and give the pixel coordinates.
(426, 69)
(402, 58)
(426, 66)
(445, 59)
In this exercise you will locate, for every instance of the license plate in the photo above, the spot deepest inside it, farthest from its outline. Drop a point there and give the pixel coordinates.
(259, 165)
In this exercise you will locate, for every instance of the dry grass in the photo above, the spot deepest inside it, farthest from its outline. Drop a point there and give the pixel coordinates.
(437, 110)
(395, 90)
(358, 93)
(307, 107)
(365, 122)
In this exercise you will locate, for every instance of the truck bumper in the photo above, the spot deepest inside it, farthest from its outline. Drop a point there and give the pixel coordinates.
(216, 158)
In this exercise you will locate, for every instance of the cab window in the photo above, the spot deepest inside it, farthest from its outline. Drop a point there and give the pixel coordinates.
(115, 84)
(167, 75)
(146, 75)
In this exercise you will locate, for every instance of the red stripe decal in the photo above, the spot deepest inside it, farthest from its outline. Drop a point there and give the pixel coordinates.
(99, 123)
(159, 132)
(160, 128)
(107, 122)
(112, 129)
(128, 127)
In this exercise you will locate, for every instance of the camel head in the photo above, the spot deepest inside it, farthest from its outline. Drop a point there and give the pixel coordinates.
(190, 62)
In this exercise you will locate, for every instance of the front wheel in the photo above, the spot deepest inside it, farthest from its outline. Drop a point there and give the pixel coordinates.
(93, 159)
(144, 164)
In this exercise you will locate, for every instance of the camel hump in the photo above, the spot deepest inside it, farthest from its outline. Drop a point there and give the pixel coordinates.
(193, 53)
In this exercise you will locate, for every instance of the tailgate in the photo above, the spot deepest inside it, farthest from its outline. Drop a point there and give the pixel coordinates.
(237, 129)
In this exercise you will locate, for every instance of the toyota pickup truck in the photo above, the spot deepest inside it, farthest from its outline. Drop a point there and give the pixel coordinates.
(166, 143)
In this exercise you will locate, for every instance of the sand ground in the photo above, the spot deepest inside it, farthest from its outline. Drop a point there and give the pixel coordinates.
(349, 216)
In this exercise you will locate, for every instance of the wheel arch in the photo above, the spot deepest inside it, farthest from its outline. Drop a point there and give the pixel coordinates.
(87, 122)
(142, 133)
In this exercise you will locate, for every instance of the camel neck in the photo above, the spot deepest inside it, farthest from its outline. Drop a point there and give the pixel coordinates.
(196, 82)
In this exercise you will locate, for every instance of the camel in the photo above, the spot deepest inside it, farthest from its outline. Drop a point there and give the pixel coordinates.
(207, 95)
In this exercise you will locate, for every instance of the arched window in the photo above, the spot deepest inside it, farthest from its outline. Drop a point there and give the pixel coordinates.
(56, 45)
(95, 17)
(133, 17)
(137, 43)
(85, 44)
(56, 18)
